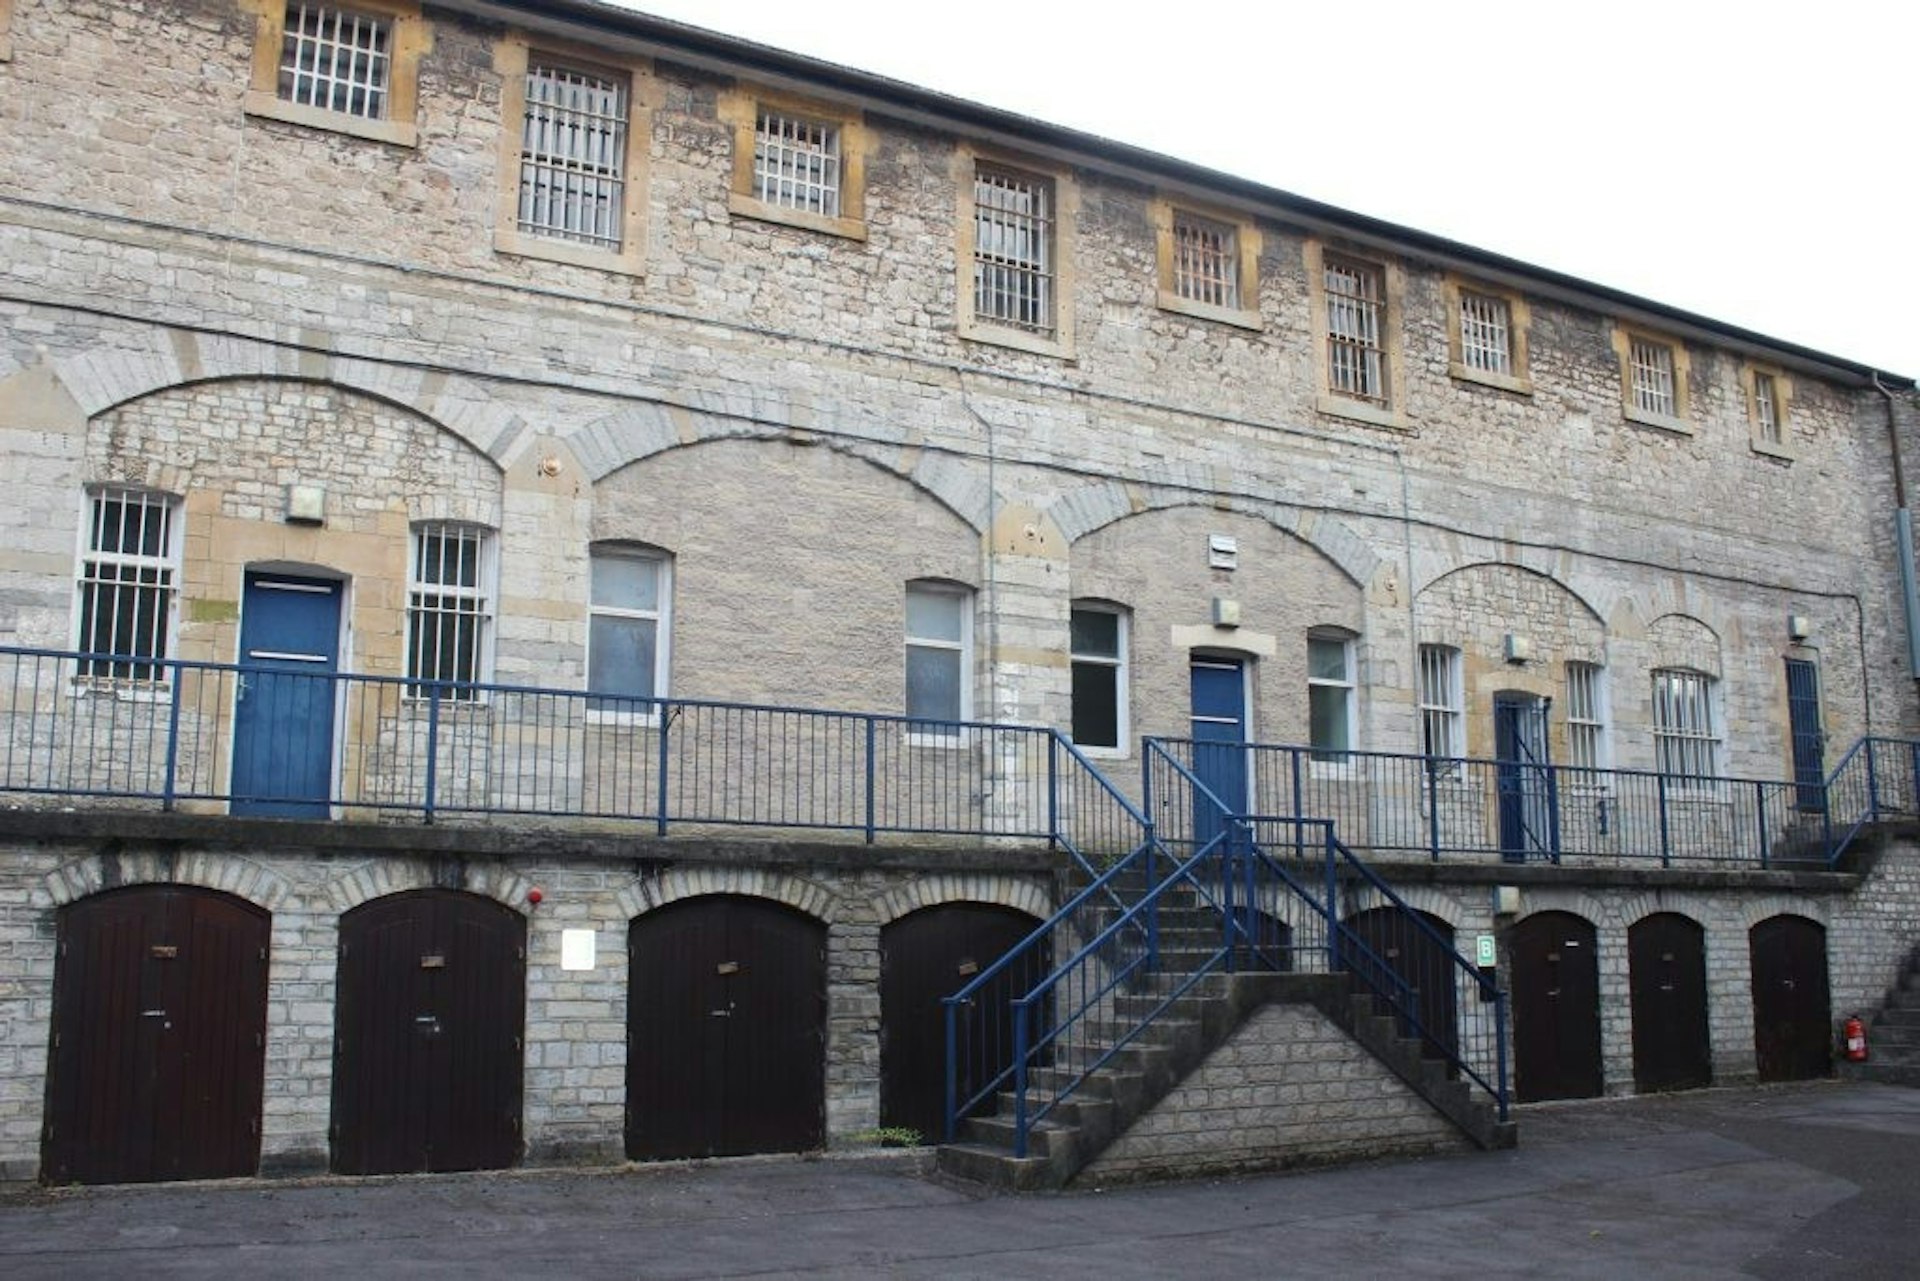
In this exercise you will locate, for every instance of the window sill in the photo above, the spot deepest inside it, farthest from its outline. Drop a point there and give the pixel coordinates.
(1768, 450)
(1361, 411)
(1236, 316)
(393, 132)
(523, 244)
(1520, 386)
(1103, 753)
(742, 206)
(1664, 422)
(982, 331)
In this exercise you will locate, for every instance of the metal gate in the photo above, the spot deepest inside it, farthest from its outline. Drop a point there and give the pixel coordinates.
(1523, 779)
(159, 1024)
(1809, 737)
(1556, 1008)
(927, 955)
(1792, 1012)
(1667, 963)
(1424, 961)
(726, 1029)
(427, 1056)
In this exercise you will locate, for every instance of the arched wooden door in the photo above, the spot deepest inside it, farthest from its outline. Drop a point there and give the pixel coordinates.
(1667, 963)
(1422, 958)
(427, 1058)
(1792, 1013)
(159, 1028)
(1556, 1008)
(726, 1029)
(925, 956)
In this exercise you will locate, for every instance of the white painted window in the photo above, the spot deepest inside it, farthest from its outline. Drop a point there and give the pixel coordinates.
(1686, 738)
(336, 59)
(1442, 706)
(1206, 260)
(1653, 385)
(1013, 250)
(128, 570)
(573, 155)
(939, 639)
(1486, 333)
(1356, 316)
(627, 628)
(1586, 716)
(1766, 408)
(449, 605)
(796, 163)
(1330, 696)
(1099, 650)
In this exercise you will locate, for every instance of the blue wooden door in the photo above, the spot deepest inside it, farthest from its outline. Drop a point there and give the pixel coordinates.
(1522, 776)
(1809, 742)
(1219, 733)
(283, 709)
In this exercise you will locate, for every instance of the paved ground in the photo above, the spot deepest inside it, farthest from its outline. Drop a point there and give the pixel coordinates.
(1788, 1182)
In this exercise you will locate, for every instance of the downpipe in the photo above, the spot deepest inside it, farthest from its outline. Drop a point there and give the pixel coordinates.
(1902, 532)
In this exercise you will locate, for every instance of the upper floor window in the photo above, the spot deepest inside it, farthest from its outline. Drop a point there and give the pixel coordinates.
(6, 29)
(573, 155)
(1330, 696)
(1653, 387)
(797, 161)
(1356, 344)
(1099, 648)
(1769, 402)
(939, 639)
(1653, 379)
(627, 613)
(127, 584)
(1208, 264)
(1486, 333)
(449, 605)
(351, 67)
(1442, 709)
(1586, 716)
(1686, 737)
(1013, 249)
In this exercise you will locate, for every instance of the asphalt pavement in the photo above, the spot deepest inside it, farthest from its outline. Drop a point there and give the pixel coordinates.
(1804, 1181)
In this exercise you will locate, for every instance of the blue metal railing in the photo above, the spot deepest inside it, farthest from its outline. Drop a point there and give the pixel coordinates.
(1876, 781)
(270, 742)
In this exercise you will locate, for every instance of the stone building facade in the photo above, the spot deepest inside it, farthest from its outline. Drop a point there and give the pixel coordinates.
(813, 359)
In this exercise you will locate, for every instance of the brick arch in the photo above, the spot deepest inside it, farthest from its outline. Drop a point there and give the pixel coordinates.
(1772, 905)
(934, 891)
(1582, 917)
(1547, 576)
(1422, 898)
(1092, 507)
(381, 877)
(1684, 640)
(111, 869)
(1631, 911)
(642, 896)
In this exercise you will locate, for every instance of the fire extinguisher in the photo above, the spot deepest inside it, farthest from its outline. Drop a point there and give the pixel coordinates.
(1855, 1034)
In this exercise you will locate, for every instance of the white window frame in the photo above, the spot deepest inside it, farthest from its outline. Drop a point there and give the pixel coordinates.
(798, 164)
(97, 568)
(1443, 709)
(1653, 377)
(661, 616)
(918, 734)
(1686, 727)
(997, 243)
(1117, 664)
(748, 111)
(407, 37)
(1769, 410)
(1654, 374)
(480, 595)
(569, 101)
(1586, 705)
(1484, 319)
(1349, 688)
(1356, 330)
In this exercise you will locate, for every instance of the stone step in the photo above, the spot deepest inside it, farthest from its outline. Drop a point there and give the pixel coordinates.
(994, 1167)
(1048, 1139)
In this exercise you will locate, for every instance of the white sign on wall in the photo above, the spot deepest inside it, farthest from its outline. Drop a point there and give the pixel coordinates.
(576, 949)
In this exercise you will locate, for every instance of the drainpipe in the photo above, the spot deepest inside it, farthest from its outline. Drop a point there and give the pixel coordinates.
(1902, 533)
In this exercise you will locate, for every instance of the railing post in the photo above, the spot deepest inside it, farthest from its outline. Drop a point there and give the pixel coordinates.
(1299, 808)
(1433, 807)
(1020, 1078)
(1053, 792)
(1873, 786)
(1229, 843)
(1500, 1045)
(1333, 904)
(660, 770)
(1148, 750)
(1553, 812)
(873, 799)
(1760, 821)
(1666, 841)
(173, 739)
(433, 749)
(953, 1078)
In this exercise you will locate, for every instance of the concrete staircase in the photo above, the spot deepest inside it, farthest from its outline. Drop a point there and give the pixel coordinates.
(1893, 1033)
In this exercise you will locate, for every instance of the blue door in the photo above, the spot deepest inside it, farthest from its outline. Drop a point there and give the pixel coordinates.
(1522, 777)
(283, 709)
(1219, 733)
(1809, 741)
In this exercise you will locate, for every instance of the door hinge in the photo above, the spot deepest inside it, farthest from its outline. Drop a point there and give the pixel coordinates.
(253, 1126)
(259, 1039)
(263, 953)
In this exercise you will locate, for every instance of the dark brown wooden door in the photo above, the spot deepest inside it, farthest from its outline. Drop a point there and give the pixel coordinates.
(1423, 959)
(925, 956)
(1667, 963)
(1792, 1015)
(726, 1029)
(1556, 1008)
(159, 1029)
(427, 1055)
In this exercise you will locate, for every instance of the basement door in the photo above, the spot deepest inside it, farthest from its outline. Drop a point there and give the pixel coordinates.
(931, 954)
(283, 706)
(1556, 1008)
(159, 1023)
(427, 1057)
(1423, 958)
(726, 1029)
(1667, 973)
(1218, 689)
(1792, 1012)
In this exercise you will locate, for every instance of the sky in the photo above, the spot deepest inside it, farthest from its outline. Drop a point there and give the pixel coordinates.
(1751, 162)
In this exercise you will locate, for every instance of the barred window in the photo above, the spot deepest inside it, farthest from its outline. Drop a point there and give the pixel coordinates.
(1486, 333)
(127, 584)
(449, 614)
(1586, 716)
(1653, 385)
(337, 60)
(1206, 260)
(1013, 268)
(1356, 306)
(1441, 704)
(1685, 738)
(573, 155)
(1766, 408)
(796, 163)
